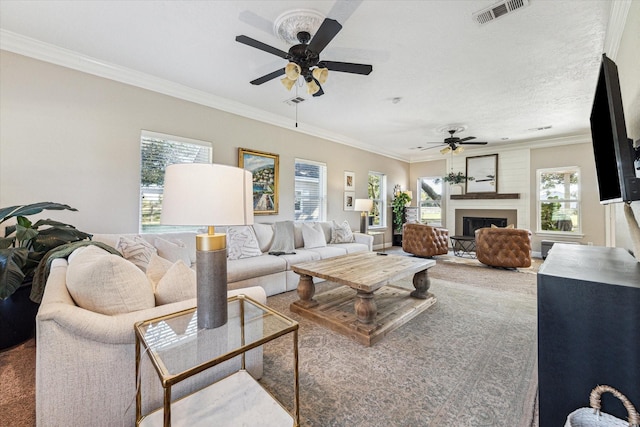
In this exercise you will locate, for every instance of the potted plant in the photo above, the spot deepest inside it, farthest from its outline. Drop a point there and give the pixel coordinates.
(457, 178)
(398, 203)
(23, 246)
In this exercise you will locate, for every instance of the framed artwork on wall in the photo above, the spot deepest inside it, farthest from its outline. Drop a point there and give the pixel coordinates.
(349, 181)
(349, 200)
(264, 167)
(484, 170)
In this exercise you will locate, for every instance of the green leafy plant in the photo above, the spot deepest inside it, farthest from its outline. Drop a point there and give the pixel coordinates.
(25, 243)
(457, 178)
(397, 206)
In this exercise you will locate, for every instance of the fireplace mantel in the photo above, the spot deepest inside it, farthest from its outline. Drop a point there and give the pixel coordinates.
(483, 196)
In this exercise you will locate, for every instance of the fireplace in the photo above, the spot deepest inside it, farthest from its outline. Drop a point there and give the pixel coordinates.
(471, 224)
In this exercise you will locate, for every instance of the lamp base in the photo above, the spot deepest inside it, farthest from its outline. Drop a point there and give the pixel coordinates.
(211, 276)
(364, 223)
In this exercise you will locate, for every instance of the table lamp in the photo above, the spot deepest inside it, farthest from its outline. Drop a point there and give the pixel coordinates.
(204, 194)
(365, 206)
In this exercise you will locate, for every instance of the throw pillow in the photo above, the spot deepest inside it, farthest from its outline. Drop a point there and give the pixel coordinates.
(313, 236)
(177, 284)
(283, 238)
(508, 226)
(108, 284)
(173, 250)
(242, 243)
(136, 250)
(264, 234)
(341, 233)
(156, 269)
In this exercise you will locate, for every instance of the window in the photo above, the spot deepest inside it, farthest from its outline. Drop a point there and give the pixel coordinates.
(310, 202)
(430, 200)
(377, 189)
(559, 200)
(158, 151)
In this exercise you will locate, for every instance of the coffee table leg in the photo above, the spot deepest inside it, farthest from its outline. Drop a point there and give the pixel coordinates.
(306, 290)
(365, 307)
(422, 283)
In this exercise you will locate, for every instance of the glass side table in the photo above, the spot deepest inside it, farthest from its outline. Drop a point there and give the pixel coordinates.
(179, 350)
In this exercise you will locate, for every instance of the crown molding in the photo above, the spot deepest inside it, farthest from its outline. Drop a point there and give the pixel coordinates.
(615, 26)
(46, 52)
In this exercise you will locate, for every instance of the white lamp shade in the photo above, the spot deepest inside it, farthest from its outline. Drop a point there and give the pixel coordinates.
(204, 194)
(363, 205)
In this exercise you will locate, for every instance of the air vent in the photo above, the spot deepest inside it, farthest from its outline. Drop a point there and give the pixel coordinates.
(294, 101)
(497, 10)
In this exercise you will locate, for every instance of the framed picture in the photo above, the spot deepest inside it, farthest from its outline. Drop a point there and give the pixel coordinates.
(349, 200)
(349, 181)
(264, 167)
(484, 170)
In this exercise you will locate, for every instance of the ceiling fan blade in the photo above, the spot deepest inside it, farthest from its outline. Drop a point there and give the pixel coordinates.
(327, 31)
(348, 67)
(429, 148)
(267, 77)
(320, 92)
(467, 138)
(473, 143)
(259, 45)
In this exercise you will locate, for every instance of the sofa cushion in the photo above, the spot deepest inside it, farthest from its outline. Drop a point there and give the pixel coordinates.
(350, 248)
(249, 268)
(177, 284)
(331, 251)
(264, 234)
(341, 233)
(137, 250)
(242, 243)
(105, 283)
(300, 255)
(172, 250)
(284, 237)
(313, 236)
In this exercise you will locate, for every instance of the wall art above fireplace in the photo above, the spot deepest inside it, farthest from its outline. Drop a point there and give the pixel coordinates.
(484, 170)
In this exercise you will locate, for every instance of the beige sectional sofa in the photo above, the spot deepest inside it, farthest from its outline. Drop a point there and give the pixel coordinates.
(85, 360)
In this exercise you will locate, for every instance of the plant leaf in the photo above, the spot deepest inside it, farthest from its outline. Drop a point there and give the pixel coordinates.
(25, 234)
(51, 222)
(34, 208)
(11, 275)
(6, 242)
(52, 237)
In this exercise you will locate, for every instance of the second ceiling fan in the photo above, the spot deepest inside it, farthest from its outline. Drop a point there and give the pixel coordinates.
(304, 59)
(454, 143)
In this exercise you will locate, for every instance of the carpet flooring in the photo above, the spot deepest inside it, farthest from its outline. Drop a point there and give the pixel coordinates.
(469, 360)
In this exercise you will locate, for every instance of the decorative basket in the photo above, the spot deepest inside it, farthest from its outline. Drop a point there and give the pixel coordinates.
(592, 417)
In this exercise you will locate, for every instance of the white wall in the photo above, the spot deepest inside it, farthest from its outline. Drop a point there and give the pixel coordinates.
(74, 138)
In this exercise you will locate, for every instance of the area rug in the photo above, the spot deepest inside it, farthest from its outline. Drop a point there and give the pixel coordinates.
(469, 360)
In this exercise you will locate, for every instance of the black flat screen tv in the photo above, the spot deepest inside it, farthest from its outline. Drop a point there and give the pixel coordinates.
(613, 151)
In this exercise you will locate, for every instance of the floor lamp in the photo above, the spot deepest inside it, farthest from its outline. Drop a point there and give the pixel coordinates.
(207, 194)
(365, 206)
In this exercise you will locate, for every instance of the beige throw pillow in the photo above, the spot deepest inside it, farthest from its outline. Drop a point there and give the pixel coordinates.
(173, 250)
(136, 250)
(242, 243)
(177, 284)
(108, 284)
(341, 233)
(313, 236)
(156, 269)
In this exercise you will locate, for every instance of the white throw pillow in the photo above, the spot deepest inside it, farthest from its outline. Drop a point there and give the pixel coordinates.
(313, 236)
(283, 238)
(173, 250)
(156, 269)
(341, 233)
(264, 234)
(177, 284)
(136, 250)
(242, 243)
(106, 283)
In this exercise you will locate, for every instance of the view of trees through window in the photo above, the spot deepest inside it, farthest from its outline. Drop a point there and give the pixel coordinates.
(376, 191)
(155, 155)
(430, 200)
(559, 206)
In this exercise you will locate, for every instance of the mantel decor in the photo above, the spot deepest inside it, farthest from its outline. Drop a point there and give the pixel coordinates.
(264, 167)
(484, 169)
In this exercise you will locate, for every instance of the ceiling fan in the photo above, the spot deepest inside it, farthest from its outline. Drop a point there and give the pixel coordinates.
(454, 144)
(304, 59)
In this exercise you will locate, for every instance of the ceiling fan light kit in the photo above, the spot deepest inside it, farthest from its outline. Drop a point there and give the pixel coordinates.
(304, 57)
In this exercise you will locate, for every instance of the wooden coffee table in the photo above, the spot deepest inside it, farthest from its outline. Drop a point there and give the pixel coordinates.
(360, 315)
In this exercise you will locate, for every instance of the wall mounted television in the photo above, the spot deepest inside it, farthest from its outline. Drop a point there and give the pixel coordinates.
(618, 180)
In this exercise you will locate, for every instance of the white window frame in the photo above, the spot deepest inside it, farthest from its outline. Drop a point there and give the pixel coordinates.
(146, 136)
(540, 198)
(299, 192)
(382, 201)
(419, 202)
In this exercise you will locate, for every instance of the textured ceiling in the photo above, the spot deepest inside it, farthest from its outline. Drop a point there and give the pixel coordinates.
(533, 68)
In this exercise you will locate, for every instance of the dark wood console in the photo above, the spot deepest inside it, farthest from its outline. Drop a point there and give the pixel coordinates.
(588, 329)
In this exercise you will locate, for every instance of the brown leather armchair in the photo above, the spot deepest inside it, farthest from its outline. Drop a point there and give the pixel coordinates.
(424, 240)
(504, 247)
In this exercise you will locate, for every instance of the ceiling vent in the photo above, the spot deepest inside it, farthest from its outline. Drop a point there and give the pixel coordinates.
(294, 101)
(497, 10)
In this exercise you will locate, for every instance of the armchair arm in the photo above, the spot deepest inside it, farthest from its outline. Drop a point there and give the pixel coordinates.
(364, 239)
